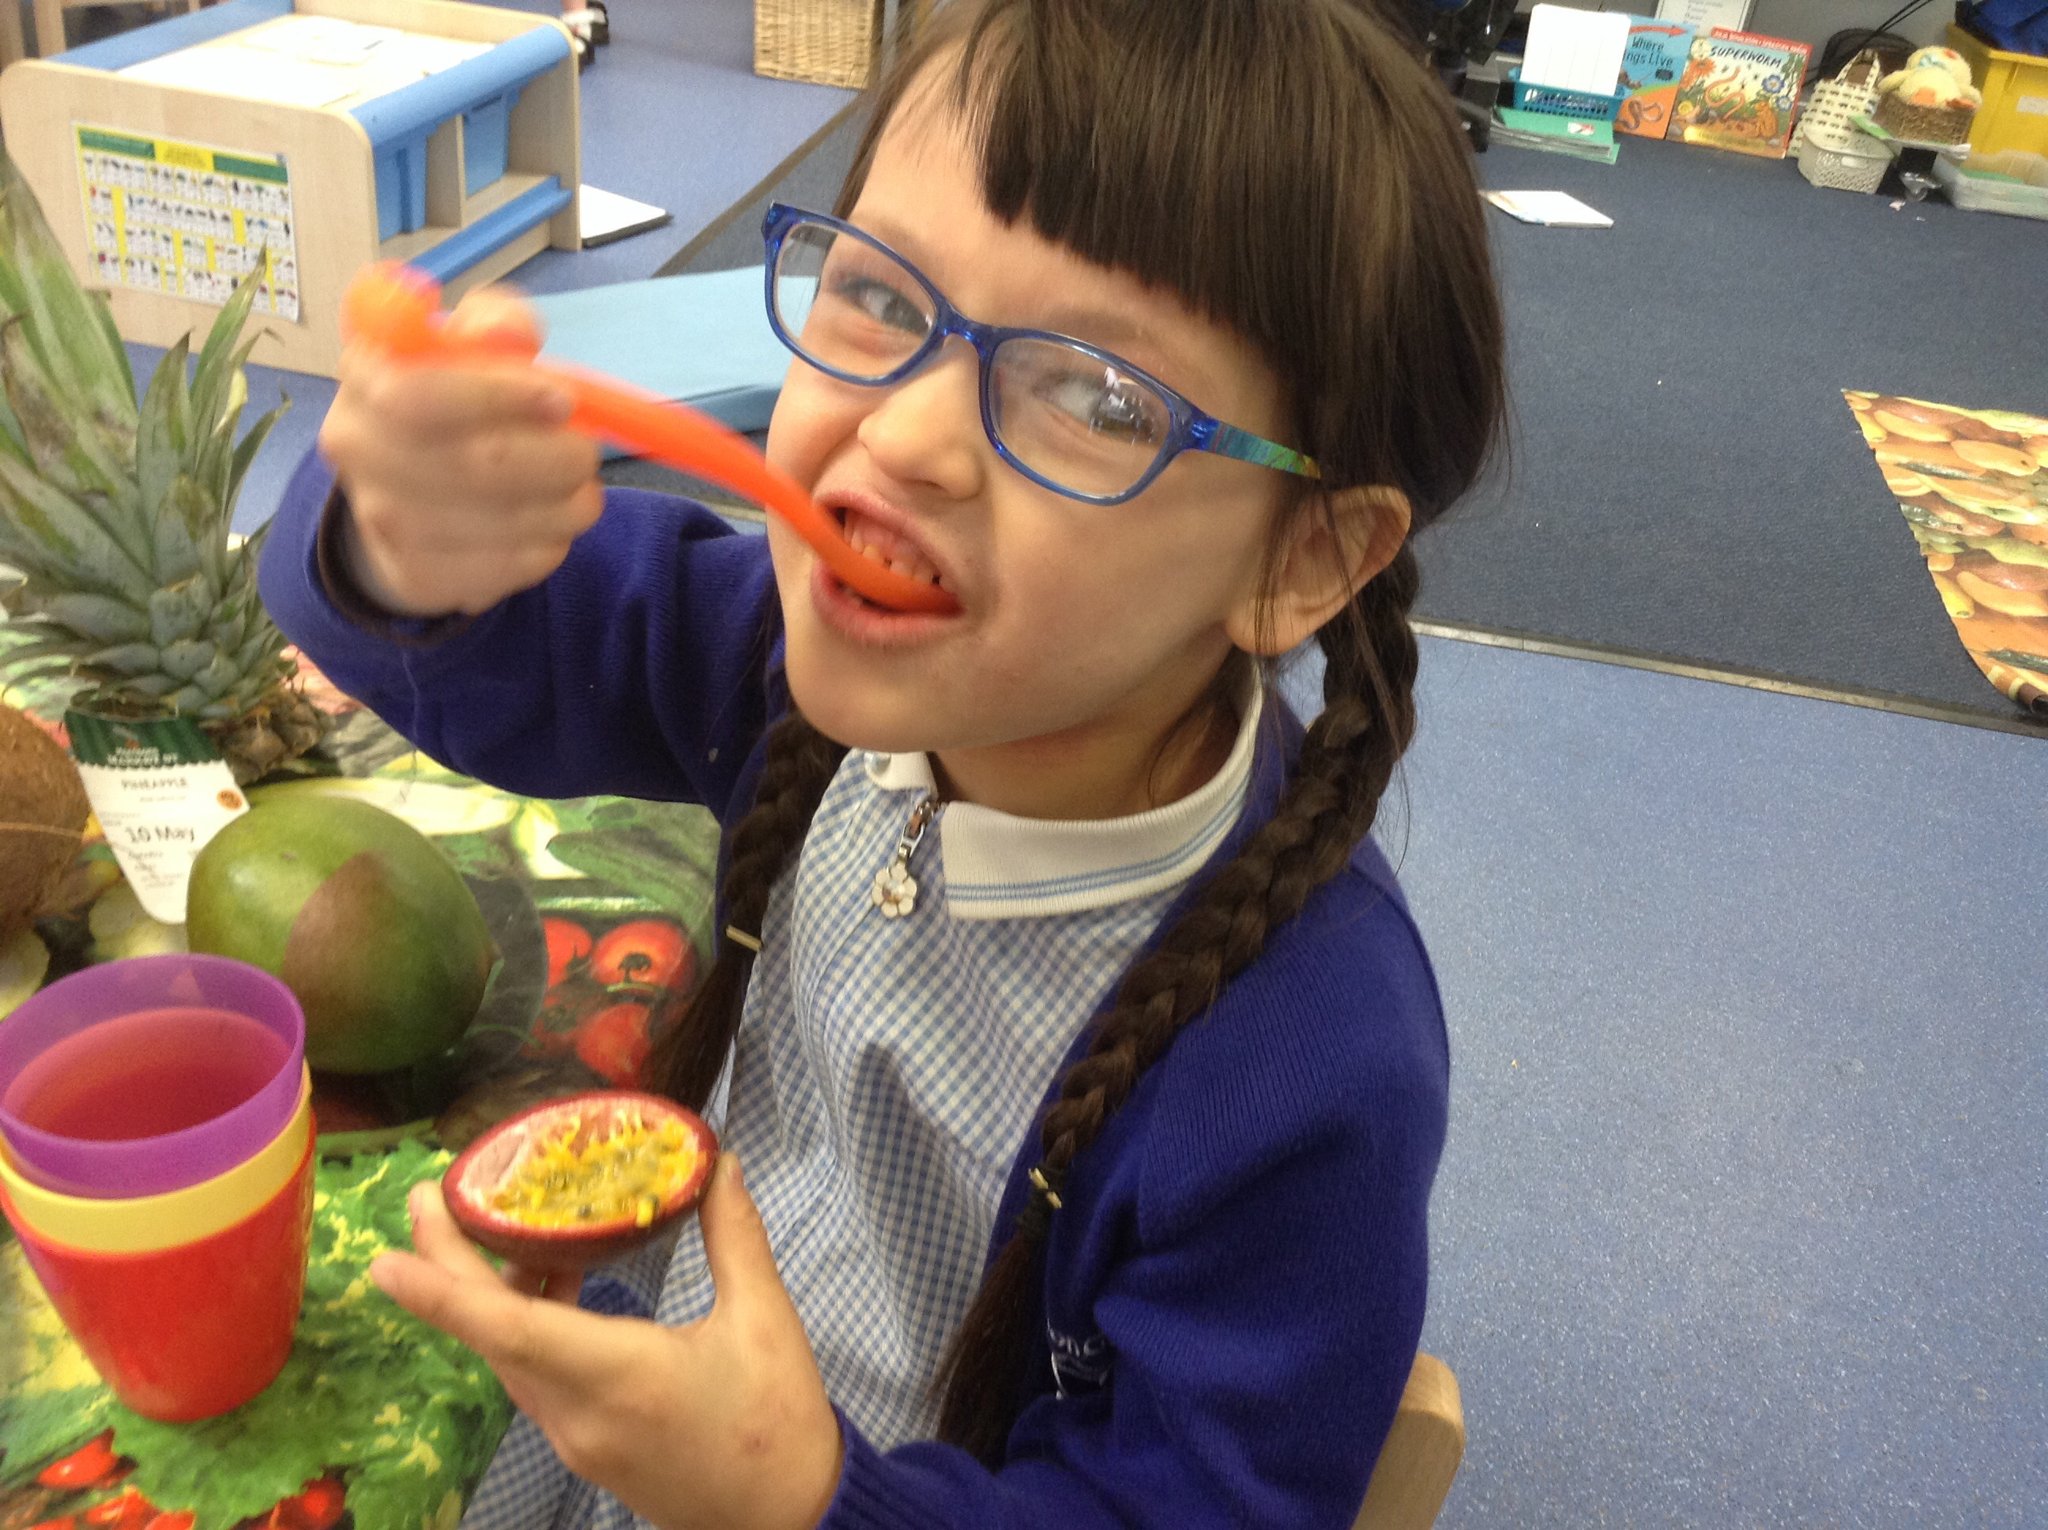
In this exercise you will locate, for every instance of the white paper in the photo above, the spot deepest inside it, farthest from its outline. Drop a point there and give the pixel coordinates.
(307, 61)
(1574, 49)
(1705, 15)
(601, 214)
(1558, 209)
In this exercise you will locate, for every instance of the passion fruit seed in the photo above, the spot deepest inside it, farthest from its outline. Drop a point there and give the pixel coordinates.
(630, 1171)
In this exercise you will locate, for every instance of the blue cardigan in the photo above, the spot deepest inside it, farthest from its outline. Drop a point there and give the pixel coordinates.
(1234, 1287)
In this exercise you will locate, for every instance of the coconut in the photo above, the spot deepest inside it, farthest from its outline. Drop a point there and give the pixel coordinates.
(363, 919)
(42, 818)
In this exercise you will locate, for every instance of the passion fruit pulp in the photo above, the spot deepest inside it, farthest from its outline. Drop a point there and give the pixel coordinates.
(574, 1182)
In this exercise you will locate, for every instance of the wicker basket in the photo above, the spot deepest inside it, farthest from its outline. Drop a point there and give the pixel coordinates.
(1844, 166)
(1924, 124)
(1851, 93)
(822, 42)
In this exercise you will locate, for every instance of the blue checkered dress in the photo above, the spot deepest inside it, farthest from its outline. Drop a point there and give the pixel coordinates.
(879, 1128)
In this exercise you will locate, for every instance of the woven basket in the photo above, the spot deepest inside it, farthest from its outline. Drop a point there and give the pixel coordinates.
(1924, 124)
(822, 42)
(1852, 93)
(1844, 166)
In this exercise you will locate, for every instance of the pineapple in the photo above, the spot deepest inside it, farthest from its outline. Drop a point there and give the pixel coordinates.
(116, 518)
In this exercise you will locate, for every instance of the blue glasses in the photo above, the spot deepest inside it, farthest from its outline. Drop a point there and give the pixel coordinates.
(1065, 414)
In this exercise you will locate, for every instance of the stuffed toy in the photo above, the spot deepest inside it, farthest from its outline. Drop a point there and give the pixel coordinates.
(1933, 77)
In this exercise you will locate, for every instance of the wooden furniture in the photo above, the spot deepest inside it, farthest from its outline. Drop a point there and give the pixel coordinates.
(1416, 1465)
(50, 20)
(465, 173)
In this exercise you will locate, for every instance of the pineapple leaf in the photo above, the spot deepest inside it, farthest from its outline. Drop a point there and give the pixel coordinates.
(245, 454)
(189, 522)
(160, 435)
(94, 618)
(220, 359)
(125, 659)
(60, 444)
(179, 612)
(43, 532)
(63, 316)
(185, 658)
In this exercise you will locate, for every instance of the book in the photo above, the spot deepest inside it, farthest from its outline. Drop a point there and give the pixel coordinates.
(1651, 67)
(1556, 209)
(605, 215)
(1740, 91)
(1554, 134)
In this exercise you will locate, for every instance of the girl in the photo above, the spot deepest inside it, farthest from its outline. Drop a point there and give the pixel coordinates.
(1089, 1075)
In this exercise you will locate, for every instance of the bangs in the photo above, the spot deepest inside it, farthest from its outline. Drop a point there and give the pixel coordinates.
(1286, 168)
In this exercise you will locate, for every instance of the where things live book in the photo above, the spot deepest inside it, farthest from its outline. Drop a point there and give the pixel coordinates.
(1740, 91)
(1651, 65)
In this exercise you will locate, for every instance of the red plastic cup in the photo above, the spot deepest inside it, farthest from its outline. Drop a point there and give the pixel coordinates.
(194, 1328)
(143, 1076)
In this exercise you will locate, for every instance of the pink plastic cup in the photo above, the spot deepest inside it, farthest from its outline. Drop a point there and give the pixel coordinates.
(143, 1076)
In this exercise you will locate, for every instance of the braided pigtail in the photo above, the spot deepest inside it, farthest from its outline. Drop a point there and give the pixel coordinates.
(1347, 761)
(799, 765)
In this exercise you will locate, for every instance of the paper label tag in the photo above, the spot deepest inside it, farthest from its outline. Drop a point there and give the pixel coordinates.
(160, 791)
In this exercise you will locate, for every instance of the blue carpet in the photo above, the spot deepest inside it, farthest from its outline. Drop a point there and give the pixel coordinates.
(1687, 480)
(1740, 1222)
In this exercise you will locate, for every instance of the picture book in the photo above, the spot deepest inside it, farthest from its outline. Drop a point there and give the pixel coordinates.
(1740, 91)
(1650, 69)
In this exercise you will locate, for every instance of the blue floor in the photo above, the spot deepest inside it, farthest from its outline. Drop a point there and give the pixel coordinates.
(1742, 1218)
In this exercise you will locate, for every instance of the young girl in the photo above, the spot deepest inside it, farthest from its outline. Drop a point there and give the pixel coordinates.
(1088, 1072)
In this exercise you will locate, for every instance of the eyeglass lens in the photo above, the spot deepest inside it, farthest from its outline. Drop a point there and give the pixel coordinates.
(1068, 416)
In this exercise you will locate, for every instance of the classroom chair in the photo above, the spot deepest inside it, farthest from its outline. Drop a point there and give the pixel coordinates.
(50, 19)
(1413, 1475)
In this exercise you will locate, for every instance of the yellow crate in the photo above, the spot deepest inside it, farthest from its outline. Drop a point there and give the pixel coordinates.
(2012, 124)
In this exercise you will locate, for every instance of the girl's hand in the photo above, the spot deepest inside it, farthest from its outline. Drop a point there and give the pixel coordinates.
(464, 486)
(722, 1423)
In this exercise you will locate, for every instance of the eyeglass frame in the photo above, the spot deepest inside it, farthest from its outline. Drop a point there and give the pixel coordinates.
(1189, 428)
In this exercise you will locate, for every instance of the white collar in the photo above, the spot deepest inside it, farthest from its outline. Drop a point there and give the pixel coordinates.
(999, 866)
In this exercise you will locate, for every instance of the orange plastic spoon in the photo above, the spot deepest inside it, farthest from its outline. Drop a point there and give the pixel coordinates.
(398, 308)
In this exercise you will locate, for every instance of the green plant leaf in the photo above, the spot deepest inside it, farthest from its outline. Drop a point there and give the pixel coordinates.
(180, 611)
(160, 434)
(97, 617)
(57, 537)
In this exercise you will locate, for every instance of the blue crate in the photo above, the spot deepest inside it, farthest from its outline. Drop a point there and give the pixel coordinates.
(1557, 102)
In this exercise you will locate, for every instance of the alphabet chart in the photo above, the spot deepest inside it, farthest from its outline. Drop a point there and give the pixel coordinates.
(186, 219)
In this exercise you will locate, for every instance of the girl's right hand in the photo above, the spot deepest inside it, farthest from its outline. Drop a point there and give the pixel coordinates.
(464, 484)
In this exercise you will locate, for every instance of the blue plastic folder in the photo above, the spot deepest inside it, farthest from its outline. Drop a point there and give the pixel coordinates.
(703, 339)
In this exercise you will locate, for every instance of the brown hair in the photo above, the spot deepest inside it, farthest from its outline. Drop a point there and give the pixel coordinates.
(1291, 171)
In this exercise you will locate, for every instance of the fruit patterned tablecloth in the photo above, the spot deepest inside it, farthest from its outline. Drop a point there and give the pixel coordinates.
(600, 908)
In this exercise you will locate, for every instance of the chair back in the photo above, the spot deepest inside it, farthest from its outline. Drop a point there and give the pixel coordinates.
(1413, 1475)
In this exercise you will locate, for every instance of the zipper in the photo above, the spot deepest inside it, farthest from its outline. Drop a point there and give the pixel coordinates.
(895, 889)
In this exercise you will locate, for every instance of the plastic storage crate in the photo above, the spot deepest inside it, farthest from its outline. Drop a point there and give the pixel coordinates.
(1980, 191)
(2012, 124)
(1555, 101)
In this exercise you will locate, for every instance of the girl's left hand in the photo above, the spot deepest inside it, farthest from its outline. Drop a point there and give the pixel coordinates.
(722, 1424)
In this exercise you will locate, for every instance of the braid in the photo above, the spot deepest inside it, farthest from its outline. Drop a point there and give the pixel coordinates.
(799, 765)
(1347, 761)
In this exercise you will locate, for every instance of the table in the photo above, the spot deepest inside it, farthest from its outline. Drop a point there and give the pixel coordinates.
(599, 906)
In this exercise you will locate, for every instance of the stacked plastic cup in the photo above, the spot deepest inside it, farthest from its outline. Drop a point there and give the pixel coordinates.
(156, 1161)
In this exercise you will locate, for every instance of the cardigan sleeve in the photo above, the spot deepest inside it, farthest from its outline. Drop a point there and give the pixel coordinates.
(636, 669)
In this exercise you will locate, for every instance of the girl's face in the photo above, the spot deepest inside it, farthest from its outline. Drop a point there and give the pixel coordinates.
(1085, 632)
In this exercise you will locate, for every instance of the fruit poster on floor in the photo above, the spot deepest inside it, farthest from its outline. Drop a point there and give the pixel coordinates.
(1973, 485)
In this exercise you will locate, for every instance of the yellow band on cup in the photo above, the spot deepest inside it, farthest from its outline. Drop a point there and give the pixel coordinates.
(144, 1223)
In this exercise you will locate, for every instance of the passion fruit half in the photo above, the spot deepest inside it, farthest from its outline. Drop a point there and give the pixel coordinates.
(577, 1181)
